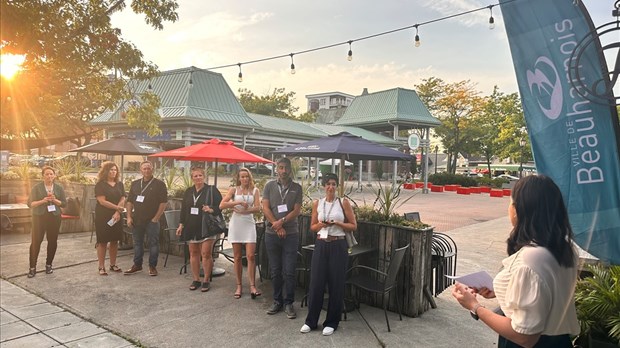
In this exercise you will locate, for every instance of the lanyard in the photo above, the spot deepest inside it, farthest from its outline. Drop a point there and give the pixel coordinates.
(285, 192)
(326, 216)
(196, 197)
(147, 185)
(244, 197)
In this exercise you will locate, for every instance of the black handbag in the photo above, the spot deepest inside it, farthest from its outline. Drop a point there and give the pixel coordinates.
(212, 225)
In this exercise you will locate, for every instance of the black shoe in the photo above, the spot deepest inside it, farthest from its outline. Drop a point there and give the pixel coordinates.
(290, 311)
(49, 269)
(275, 308)
(32, 272)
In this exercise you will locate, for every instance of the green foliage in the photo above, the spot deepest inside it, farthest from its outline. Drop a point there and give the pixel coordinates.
(145, 115)
(9, 175)
(387, 199)
(309, 117)
(127, 179)
(75, 178)
(278, 104)
(370, 214)
(452, 179)
(25, 172)
(492, 182)
(64, 82)
(597, 300)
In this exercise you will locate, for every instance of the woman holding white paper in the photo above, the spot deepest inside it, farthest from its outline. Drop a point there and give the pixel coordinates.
(332, 218)
(535, 288)
(110, 194)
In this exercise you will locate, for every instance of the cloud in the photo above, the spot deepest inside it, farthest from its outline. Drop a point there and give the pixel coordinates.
(217, 26)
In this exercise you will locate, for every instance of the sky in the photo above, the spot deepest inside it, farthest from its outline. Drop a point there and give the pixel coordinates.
(212, 33)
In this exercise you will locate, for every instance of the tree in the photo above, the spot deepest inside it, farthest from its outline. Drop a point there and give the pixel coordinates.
(278, 104)
(455, 105)
(486, 126)
(70, 50)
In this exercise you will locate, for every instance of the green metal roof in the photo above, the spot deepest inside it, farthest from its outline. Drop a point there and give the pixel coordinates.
(207, 98)
(396, 105)
(315, 130)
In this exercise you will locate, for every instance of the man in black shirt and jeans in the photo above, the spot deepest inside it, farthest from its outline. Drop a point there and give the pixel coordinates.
(146, 202)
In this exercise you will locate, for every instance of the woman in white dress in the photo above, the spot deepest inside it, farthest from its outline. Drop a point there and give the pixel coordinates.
(244, 200)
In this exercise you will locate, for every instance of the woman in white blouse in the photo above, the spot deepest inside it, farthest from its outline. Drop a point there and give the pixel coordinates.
(535, 288)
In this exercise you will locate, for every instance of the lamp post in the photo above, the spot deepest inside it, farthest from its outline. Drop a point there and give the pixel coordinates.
(436, 149)
(522, 145)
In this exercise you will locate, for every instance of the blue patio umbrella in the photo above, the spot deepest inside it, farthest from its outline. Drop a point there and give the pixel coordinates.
(345, 146)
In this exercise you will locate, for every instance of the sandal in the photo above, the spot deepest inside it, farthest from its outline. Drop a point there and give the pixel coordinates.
(115, 268)
(238, 292)
(205, 287)
(195, 285)
(102, 271)
(254, 294)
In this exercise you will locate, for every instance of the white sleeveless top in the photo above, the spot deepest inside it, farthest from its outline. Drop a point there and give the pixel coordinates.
(331, 211)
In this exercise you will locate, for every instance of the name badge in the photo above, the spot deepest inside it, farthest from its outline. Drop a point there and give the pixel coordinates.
(282, 208)
(140, 199)
(51, 208)
(193, 211)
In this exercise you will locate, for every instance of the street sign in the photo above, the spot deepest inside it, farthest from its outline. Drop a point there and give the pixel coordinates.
(413, 141)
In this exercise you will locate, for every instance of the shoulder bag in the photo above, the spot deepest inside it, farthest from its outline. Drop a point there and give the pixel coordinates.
(212, 224)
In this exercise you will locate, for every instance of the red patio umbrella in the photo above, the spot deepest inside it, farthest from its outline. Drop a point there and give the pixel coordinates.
(213, 150)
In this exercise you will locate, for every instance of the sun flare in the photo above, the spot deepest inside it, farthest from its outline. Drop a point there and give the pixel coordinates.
(10, 65)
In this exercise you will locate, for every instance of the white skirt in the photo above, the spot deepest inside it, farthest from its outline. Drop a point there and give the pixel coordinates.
(242, 228)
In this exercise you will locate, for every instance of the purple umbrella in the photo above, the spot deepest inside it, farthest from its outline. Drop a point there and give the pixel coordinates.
(345, 146)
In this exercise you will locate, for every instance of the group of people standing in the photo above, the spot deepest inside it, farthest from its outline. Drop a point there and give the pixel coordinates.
(535, 288)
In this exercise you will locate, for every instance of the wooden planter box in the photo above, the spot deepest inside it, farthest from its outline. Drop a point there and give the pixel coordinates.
(414, 272)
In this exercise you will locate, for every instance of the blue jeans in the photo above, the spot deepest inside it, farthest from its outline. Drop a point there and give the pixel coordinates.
(151, 229)
(282, 254)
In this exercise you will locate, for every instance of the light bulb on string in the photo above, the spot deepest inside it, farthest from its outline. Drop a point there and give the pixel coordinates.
(240, 79)
(149, 88)
(491, 19)
(417, 37)
(292, 65)
(350, 54)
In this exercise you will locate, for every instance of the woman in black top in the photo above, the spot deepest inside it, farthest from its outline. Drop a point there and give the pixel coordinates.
(198, 200)
(110, 194)
(46, 199)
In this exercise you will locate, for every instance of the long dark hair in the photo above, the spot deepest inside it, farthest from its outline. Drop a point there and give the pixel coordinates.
(542, 219)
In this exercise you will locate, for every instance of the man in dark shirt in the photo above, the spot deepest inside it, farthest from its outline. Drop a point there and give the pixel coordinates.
(281, 206)
(146, 202)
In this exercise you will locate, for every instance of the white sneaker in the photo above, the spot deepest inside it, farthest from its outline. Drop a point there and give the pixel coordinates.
(328, 331)
(305, 329)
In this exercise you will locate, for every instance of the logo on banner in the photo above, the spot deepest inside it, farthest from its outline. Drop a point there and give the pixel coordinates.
(547, 91)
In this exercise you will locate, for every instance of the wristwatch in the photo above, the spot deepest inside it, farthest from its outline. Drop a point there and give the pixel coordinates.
(474, 311)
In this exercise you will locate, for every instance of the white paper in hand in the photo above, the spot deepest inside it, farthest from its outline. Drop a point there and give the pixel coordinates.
(476, 280)
(112, 222)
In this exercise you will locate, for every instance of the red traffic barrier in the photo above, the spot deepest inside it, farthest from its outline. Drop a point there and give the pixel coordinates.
(463, 190)
(507, 192)
(452, 188)
(485, 189)
(409, 186)
(496, 193)
(474, 189)
(437, 188)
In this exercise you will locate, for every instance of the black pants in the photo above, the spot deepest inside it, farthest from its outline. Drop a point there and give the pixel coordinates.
(560, 341)
(329, 265)
(42, 224)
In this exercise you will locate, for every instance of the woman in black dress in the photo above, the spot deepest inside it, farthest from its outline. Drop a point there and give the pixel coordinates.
(110, 195)
(198, 200)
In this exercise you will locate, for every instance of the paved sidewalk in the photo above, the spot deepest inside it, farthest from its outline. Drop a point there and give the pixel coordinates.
(75, 306)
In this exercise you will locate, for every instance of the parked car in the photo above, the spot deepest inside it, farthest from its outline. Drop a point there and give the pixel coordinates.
(508, 176)
(261, 169)
(303, 173)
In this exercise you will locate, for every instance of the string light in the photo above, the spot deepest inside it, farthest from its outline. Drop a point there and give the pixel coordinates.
(149, 88)
(292, 64)
(191, 83)
(240, 79)
(417, 37)
(350, 54)
(417, 41)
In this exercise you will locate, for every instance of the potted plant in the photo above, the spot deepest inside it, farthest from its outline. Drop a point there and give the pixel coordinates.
(597, 299)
